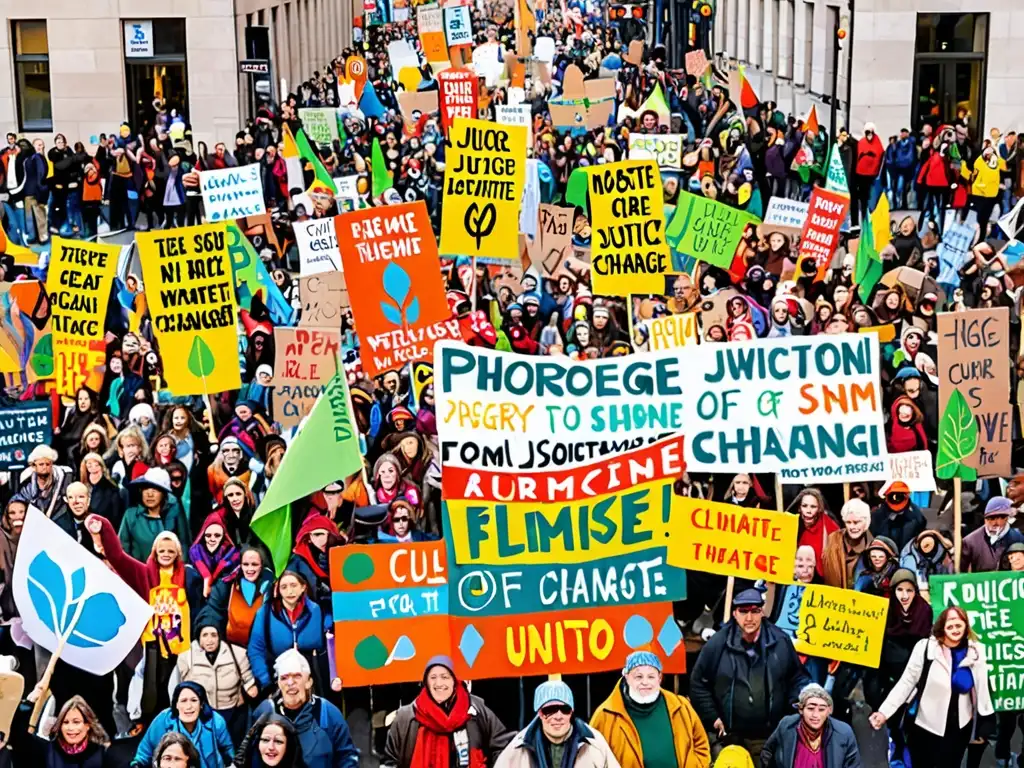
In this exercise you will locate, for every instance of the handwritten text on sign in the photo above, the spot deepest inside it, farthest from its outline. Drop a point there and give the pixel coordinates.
(706, 229)
(841, 624)
(458, 96)
(305, 360)
(232, 193)
(318, 246)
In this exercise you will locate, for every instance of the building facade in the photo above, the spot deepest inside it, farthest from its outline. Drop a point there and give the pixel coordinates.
(82, 67)
(910, 61)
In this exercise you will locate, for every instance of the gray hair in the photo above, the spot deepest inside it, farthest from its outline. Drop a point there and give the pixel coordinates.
(856, 508)
(813, 691)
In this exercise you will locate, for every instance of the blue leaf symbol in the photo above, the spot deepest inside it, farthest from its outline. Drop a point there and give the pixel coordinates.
(77, 584)
(396, 284)
(412, 313)
(48, 592)
(100, 621)
(392, 315)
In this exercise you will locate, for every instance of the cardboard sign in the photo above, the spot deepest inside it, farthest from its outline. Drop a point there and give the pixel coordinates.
(484, 177)
(430, 25)
(23, 426)
(458, 25)
(78, 284)
(304, 361)
(457, 96)
(324, 300)
(400, 308)
(318, 246)
(707, 230)
(670, 332)
(585, 105)
(913, 468)
(555, 229)
(320, 124)
(628, 249)
(974, 359)
(995, 605)
(189, 287)
(412, 102)
(666, 149)
(696, 63)
(232, 193)
(820, 236)
(841, 624)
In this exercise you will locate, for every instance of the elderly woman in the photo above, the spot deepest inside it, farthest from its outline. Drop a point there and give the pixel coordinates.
(841, 560)
(442, 719)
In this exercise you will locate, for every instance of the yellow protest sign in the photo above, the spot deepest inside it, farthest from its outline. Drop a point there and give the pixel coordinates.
(628, 251)
(188, 280)
(484, 176)
(672, 331)
(841, 624)
(78, 284)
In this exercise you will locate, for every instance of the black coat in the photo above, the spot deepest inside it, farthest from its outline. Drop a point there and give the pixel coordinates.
(108, 501)
(839, 744)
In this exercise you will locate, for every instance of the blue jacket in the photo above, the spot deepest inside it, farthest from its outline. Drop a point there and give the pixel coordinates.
(323, 733)
(839, 745)
(904, 156)
(35, 177)
(211, 740)
(273, 633)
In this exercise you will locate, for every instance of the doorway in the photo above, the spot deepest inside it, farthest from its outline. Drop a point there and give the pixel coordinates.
(949, 69)
(150, 82)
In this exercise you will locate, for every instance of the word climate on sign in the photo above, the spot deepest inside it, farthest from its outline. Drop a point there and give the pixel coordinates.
(628, 249)
(483, 183)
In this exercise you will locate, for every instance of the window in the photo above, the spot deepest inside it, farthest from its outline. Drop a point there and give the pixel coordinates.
(949, 69)
(32, 75)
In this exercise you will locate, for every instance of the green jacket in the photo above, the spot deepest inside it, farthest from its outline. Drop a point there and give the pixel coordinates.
(139, 531)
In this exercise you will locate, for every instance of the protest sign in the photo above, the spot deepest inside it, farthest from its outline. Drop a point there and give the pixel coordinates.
(841, 624)
(806, 407)
(402, 56)
(913, 468)
(67, 596)
(785, 215)
(520, 114)
(628, 249)
(318, 246)
(188, 278)
(707, 230)
(320, 124)
(974, 361)
(78, 285)
(585, 105)
(696, 62)
(554, 231)
(232, 193)
(995, 605)
(457, 96)
(485, 173)
(954, 251)
(400, 308)
(668, 332)
(820, 236)
(304, 361)
(414, 104)
(323, 298)
(251, 277)
(666, 149)
(23, 426)
(458, 25)
(430, 25)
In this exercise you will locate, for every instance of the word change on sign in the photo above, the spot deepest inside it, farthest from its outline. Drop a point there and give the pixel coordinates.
(841, 624)
(232, 193)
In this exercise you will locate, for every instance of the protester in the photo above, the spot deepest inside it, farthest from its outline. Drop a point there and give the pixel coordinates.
(983, 548)
(272, 742)
(812, 736)
(190, 714)
(157, 512)
(79, 739)
(236, 598)
(841, 560)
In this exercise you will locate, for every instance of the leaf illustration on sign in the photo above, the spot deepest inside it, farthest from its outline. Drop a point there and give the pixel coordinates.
(42, 356)
(201, 362)
(83, 622)
(958, 439)
(397, 286)
(479, 222)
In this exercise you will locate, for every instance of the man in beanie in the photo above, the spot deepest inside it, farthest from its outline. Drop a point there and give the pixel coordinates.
(811, 737)
(984, 547)
(747, 678)
(647, 725)
(555, 738)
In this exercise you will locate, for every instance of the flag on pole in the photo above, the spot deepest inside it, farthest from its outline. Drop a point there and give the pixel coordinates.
(811, 123)
(321, 178)
(835, 179)
(875, 236)
(379, 173)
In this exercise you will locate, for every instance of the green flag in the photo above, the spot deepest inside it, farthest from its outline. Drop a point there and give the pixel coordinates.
(309, 155)
(325, 450)
(869, 267)
(835, 180)
(379, 171)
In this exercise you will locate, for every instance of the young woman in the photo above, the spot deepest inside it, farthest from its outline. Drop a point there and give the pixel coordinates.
(77, 417)
(879, 562)
(310, 558)
(79, 740)
(388, 484)
(271, 743)
(175, 751)
(165, 450)
(236, 599)
(104, 497)
(816, 524)
(94, 440)
(213, 554)
(191, 716)
(132, 458)
(945, 686)
(236, 512)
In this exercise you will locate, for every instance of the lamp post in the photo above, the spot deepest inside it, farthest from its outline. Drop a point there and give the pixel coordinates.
(842, 22)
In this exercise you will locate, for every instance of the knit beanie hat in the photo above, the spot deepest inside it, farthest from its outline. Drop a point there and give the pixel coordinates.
(552, 690)
(641, 659)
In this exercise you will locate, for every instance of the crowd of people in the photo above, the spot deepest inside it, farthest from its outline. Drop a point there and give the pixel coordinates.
(163, 489)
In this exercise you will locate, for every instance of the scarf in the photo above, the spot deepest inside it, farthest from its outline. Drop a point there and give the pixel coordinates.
(915, 622)
(73, 749)
(810, 740)
(439, 729)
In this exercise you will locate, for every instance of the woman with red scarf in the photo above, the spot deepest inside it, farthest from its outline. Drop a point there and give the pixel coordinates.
(444, 727)
(815, 523)
(213, 554)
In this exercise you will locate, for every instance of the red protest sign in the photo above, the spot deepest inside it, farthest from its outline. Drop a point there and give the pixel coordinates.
(458, 95)
(825, 215)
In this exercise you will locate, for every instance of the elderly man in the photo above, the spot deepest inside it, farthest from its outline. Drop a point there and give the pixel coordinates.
(44, 482)
(324, 737)
(984, 547)
(555, 737)
(812, 737)
(647, 725)
(73, 523)
(840, 560)
(747, 677)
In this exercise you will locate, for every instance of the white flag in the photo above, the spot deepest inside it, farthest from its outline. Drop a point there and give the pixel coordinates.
(62, 590)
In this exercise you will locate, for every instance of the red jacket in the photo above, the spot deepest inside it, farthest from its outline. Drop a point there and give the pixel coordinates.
(934, 172)
(870, 154)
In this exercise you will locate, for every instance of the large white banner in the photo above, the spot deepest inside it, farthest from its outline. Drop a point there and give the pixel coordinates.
(63, 591)
(807, 408)
(318, 246)
(232, 193)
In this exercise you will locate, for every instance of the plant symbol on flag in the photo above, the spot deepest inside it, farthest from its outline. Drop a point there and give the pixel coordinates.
(403, 309)
(84, 622)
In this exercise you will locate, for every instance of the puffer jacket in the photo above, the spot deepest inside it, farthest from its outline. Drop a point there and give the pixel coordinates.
(224, 679)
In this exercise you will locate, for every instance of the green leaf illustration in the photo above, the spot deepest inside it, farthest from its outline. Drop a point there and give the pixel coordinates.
(42, 356)
(200, 360)
(958, 439)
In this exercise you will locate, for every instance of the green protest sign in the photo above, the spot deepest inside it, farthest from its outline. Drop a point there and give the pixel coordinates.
(993, 602)
(320, 123)
(835, 179)
(707, 230)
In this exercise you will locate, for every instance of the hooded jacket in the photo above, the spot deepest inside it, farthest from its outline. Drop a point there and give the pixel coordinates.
(224, 678)
(311, 563)
(233, 613)
(906, 437)
(938, 562)
(274, 632)
(138, 530)
(323, 733)
(899, 526)
(210, 736)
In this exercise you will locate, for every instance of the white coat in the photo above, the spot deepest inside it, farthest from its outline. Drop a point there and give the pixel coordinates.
(934, 703)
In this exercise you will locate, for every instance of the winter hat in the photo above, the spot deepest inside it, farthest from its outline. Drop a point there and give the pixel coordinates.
(552, 691)
(291, 662)
(205, 712)
(439, 661)
(884, 543)
(155, 477)
(998, 506)
(141, 411)
(230, 440)
(749, 597)
(42, 452)
(901, 576)
(641, 659)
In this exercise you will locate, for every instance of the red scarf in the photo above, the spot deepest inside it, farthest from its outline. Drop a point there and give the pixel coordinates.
(433, 739)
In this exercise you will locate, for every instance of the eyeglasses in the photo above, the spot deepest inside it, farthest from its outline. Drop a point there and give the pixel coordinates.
(748, 609)
(555, 709)
(399, 519)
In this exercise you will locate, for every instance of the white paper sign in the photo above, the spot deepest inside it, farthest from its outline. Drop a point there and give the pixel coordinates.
(232, 193)
(458, 25)
(786, 213)
(320, 123)
(60, 587)
(665, 148)
(138, 39)
(520, 114)
(318, 246)
(401, 55)
(914, 468)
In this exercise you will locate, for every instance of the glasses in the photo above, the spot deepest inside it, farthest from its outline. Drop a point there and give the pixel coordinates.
(556, 709)
(748, 609)
(399, 519)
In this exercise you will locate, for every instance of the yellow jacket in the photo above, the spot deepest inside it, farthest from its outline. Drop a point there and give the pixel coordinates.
(986, 178)
(612, 721)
